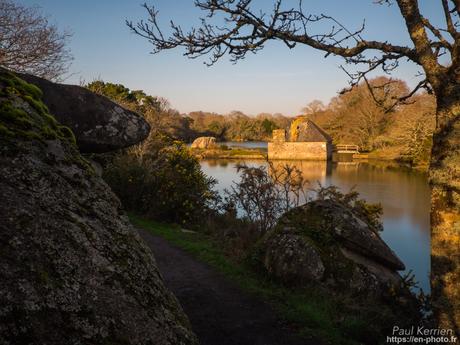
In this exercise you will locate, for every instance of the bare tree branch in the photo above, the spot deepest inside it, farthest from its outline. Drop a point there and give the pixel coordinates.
(247, 31)
(448, 17)
(30, 44)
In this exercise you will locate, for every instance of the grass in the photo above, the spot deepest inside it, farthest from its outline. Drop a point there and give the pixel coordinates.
(309, 312)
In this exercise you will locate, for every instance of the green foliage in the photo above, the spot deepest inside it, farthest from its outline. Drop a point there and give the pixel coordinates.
(159, 177)
(112, 91)
(138, 99)
(166, 183)
(187, 127)
(156, 110)
(268, 126)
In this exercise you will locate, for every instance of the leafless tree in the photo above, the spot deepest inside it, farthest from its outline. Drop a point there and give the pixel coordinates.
(245, 29)
(313, 107)
(265, 192)
(413, 127)
(30, 44)
(290, 183)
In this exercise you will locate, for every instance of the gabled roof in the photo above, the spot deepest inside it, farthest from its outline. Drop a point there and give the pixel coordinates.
(308, 131)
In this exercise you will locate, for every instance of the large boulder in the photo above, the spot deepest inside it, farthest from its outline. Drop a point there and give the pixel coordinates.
(323, 242)
(291, 258)
(72, 268)
(99, 124)
(204, 143)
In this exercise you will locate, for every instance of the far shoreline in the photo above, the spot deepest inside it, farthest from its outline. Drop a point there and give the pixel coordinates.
(242, 153)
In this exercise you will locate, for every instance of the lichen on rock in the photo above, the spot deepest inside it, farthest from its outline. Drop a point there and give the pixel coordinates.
(325, 243)
(72, 268)
(99, 124)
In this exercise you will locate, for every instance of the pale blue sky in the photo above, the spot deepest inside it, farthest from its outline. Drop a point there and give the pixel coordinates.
(275, 80)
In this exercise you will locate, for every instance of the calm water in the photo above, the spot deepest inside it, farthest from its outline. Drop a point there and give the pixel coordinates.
(245, 144)
(404, 195)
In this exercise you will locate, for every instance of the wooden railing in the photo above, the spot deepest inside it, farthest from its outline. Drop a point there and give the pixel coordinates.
(346, 148)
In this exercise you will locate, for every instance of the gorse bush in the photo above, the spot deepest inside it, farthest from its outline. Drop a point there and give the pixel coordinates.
(158, 178)
(163, 181)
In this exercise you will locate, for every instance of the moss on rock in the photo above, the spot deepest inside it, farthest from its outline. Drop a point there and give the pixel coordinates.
(16, 96)
(349, 248)
(72, 266)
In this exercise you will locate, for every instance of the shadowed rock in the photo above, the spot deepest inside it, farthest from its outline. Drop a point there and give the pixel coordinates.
(72, 268)
(324, 242)
(289, 256)
(355, 235)
(99, 124)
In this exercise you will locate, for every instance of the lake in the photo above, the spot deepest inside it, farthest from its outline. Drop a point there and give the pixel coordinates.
(262, 145)
(403, 193)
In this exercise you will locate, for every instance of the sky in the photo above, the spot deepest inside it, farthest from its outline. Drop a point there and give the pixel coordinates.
(275, 80)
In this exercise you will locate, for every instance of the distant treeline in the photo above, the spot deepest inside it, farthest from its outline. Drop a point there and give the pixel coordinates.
(360, 116)
(235, 126)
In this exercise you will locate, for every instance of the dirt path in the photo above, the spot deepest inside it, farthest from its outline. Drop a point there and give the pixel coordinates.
(220, 313)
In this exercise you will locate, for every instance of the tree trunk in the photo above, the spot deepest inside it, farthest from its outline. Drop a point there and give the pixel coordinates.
(445, 210)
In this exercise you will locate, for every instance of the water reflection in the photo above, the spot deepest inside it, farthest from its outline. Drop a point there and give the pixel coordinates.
(404, 195)
(246, 144)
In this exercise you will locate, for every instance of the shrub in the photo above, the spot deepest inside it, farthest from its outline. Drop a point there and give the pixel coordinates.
(263, 194)
(368, 212)
(164, 182)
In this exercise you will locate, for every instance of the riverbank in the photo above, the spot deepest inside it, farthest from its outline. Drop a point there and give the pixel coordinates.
(385, 157)
(230, 153)
(393, 154)
(404, 194)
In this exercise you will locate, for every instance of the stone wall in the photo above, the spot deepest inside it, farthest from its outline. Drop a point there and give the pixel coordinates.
(300, 150)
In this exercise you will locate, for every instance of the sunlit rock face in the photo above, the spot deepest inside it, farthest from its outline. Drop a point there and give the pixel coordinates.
(72, 268)
(204, 143)
(99, 124)
(324, 243)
